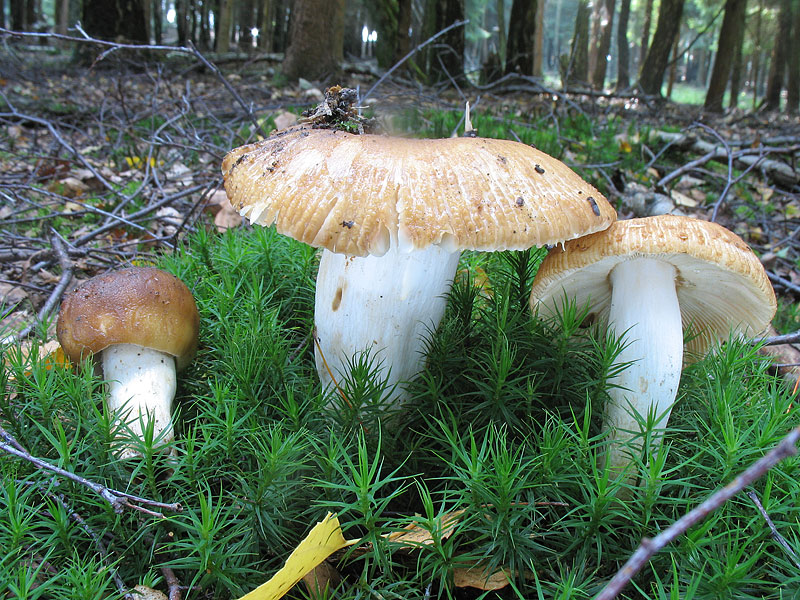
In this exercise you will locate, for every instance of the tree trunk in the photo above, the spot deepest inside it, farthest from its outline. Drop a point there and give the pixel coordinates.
(736, 69)
(451, 54)
(112, 19)
(316, 39)
(755, 69)
(793, 65)
(147, 7)
(30, 14)
(62, 16)
(246, 24)
(18, 15)
(602, 25)
(181, 21)
(521, 28)
(264, 25)
(281, 32)
(577, 69)
(779, 54)
(729, 36)
(224, 25)
(655, 63)
(623, 56)
(157, 21)
(645, 43)
(538, 39)
(502, 42)
(402, 44)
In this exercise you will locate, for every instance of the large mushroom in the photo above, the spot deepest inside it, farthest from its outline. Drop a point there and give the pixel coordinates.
(140, 324)
(648, 279)
(392, 216)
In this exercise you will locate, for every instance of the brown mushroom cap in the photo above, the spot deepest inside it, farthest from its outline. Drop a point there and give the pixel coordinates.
(721, 284)
(359, 194)
(138, 305)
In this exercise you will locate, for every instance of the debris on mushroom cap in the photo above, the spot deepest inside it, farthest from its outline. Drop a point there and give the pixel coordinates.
(721, 284)
(460, 193)
(138, 305)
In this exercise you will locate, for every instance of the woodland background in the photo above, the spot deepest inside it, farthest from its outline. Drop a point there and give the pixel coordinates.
(736, 45)
(114, 118)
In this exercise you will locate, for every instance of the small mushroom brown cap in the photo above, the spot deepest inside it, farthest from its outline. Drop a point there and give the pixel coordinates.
(138, 305)
(721, 284)
(361, 194)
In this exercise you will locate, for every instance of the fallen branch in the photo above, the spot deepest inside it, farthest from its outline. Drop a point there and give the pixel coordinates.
(649, 546)
(119, 501)
(777, 171)
(774, 530)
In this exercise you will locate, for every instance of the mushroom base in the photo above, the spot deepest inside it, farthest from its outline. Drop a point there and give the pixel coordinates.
(387, 305)
(645, 311)
(141, 386)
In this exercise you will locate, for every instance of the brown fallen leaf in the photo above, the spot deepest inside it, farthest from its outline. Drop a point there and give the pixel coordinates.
(11, 295)
(321, 578)
(142, 592)
(413, 535)
(783, 354)
(227, 218)
(477, 577)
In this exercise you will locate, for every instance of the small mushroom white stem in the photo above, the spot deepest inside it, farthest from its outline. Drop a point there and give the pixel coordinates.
(644, 308)
(386, 304)
(141, 386)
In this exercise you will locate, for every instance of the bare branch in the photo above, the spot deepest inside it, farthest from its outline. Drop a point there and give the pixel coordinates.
(648, 547)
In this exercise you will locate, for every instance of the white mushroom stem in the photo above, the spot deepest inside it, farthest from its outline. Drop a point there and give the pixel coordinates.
(645, 311)
(387, 304)
(141, 387)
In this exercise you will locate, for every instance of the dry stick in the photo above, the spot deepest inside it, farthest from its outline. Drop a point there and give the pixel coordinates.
(114, 47)
(784, 282)
(96, 539)
(173, 585)
(118, 500)
(410, 54)
(774, 530)
(58, 291)
(648, 547)
(774, 340)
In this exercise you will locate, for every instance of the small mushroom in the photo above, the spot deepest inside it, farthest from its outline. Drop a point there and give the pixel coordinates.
(139, 324)
(392, 216)
(648, 279)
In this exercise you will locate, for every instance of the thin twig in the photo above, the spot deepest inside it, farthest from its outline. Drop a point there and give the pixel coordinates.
(648, 547)
(409, 55)
(119, 501)
(774, 340)
(58, 291)
(784, 282)
(774, 530)
(173, 585)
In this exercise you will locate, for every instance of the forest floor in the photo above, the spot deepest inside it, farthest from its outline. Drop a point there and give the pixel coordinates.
(112, 163)
(117, 163)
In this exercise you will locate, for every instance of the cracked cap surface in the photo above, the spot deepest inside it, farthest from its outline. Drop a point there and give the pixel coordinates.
(361, 194)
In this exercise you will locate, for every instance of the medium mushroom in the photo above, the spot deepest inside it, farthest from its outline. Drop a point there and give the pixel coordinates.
(648, 279)
(392, 216)
(140, 324)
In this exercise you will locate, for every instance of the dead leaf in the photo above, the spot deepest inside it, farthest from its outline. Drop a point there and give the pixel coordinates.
(11, 294)
(477, 577)
(682, 199)
(320, 579)
(413, 535)
(142, 592)
(227, 218)
(285, 119)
